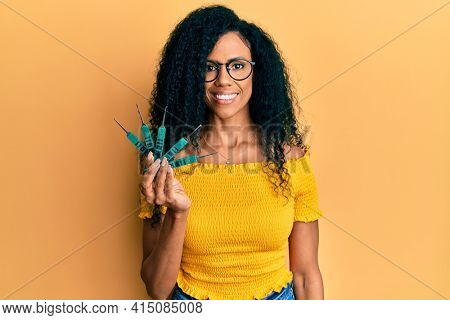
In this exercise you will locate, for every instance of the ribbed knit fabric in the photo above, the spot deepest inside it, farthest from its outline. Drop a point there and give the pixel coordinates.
(238, 228)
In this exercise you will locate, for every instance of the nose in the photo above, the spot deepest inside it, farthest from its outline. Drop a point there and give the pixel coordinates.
(223, 79)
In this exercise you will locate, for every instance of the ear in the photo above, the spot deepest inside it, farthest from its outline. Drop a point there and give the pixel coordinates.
(294, 151)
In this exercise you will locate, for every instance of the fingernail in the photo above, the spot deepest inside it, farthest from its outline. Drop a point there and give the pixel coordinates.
(164, 162)
(150, 155)
(157, 161)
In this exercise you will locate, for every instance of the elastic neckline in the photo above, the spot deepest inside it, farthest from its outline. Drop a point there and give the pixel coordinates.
(244, 164)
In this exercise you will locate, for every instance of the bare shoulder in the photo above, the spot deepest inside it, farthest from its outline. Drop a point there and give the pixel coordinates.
(294, 152)
(181, 154)
(188, 151)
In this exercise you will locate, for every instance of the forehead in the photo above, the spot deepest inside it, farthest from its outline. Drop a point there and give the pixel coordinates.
(228, 46)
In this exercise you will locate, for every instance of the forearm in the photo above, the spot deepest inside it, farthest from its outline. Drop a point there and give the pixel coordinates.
(161, 267)
(308, 286)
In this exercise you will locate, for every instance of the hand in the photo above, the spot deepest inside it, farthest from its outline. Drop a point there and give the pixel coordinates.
(160, 187)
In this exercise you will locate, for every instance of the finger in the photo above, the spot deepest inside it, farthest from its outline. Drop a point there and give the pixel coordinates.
(150, 158)
(170, 193)
(151, 172)
(148, 183)
(148, 161)
(141, 187)
(160, 183)
(149, 176)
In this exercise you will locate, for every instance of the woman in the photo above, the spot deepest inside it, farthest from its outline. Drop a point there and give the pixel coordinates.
(224, 227)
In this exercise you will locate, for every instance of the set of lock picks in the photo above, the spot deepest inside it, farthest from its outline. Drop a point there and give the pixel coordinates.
(158, 148)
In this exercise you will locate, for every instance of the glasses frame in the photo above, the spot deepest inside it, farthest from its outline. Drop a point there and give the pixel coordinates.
(227, 65)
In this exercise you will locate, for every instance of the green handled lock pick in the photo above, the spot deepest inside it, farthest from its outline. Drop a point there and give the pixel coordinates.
(146, 132)
(134, 140)
(187, 160)
(178, 146)
(160, 138)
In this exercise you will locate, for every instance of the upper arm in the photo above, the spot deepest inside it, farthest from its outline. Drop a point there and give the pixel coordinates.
(306, 206)
(304, 238)
(303, 247)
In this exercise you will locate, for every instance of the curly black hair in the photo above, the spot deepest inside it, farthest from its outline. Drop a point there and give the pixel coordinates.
(180, 86)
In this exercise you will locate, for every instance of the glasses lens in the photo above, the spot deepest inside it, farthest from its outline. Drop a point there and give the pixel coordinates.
(211, 71)
(240, 69)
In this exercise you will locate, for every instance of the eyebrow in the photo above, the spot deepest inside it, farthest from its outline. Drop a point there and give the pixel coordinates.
(235, 58)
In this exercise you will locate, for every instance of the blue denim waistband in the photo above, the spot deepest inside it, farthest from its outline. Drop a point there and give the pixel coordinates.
(287, 293)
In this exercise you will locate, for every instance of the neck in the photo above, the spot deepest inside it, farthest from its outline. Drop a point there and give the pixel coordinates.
(231, 132)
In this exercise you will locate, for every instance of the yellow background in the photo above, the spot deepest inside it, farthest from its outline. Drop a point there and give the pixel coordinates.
(374, 78)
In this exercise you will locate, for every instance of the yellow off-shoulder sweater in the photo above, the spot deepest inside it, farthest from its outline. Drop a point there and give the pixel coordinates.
(237, 230)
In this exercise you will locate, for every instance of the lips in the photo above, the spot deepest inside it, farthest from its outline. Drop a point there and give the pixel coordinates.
(224, 98)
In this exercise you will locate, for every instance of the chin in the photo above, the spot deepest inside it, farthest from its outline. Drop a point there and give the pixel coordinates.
(224, 111)
(224, 114)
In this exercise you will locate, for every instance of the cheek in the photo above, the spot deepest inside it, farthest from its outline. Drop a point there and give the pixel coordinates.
(207, 87)
(247, 90)
(206, 96)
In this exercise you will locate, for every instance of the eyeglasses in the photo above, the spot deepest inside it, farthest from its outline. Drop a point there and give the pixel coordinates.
(238, 69)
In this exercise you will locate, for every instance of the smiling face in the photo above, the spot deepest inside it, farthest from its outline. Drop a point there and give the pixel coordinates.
(225, 96)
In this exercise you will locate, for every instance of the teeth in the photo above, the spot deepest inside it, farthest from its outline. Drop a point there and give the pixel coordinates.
(225, 96)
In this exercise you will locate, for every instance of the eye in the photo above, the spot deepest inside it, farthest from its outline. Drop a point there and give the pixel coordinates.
(210, 68)
(237, 66)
